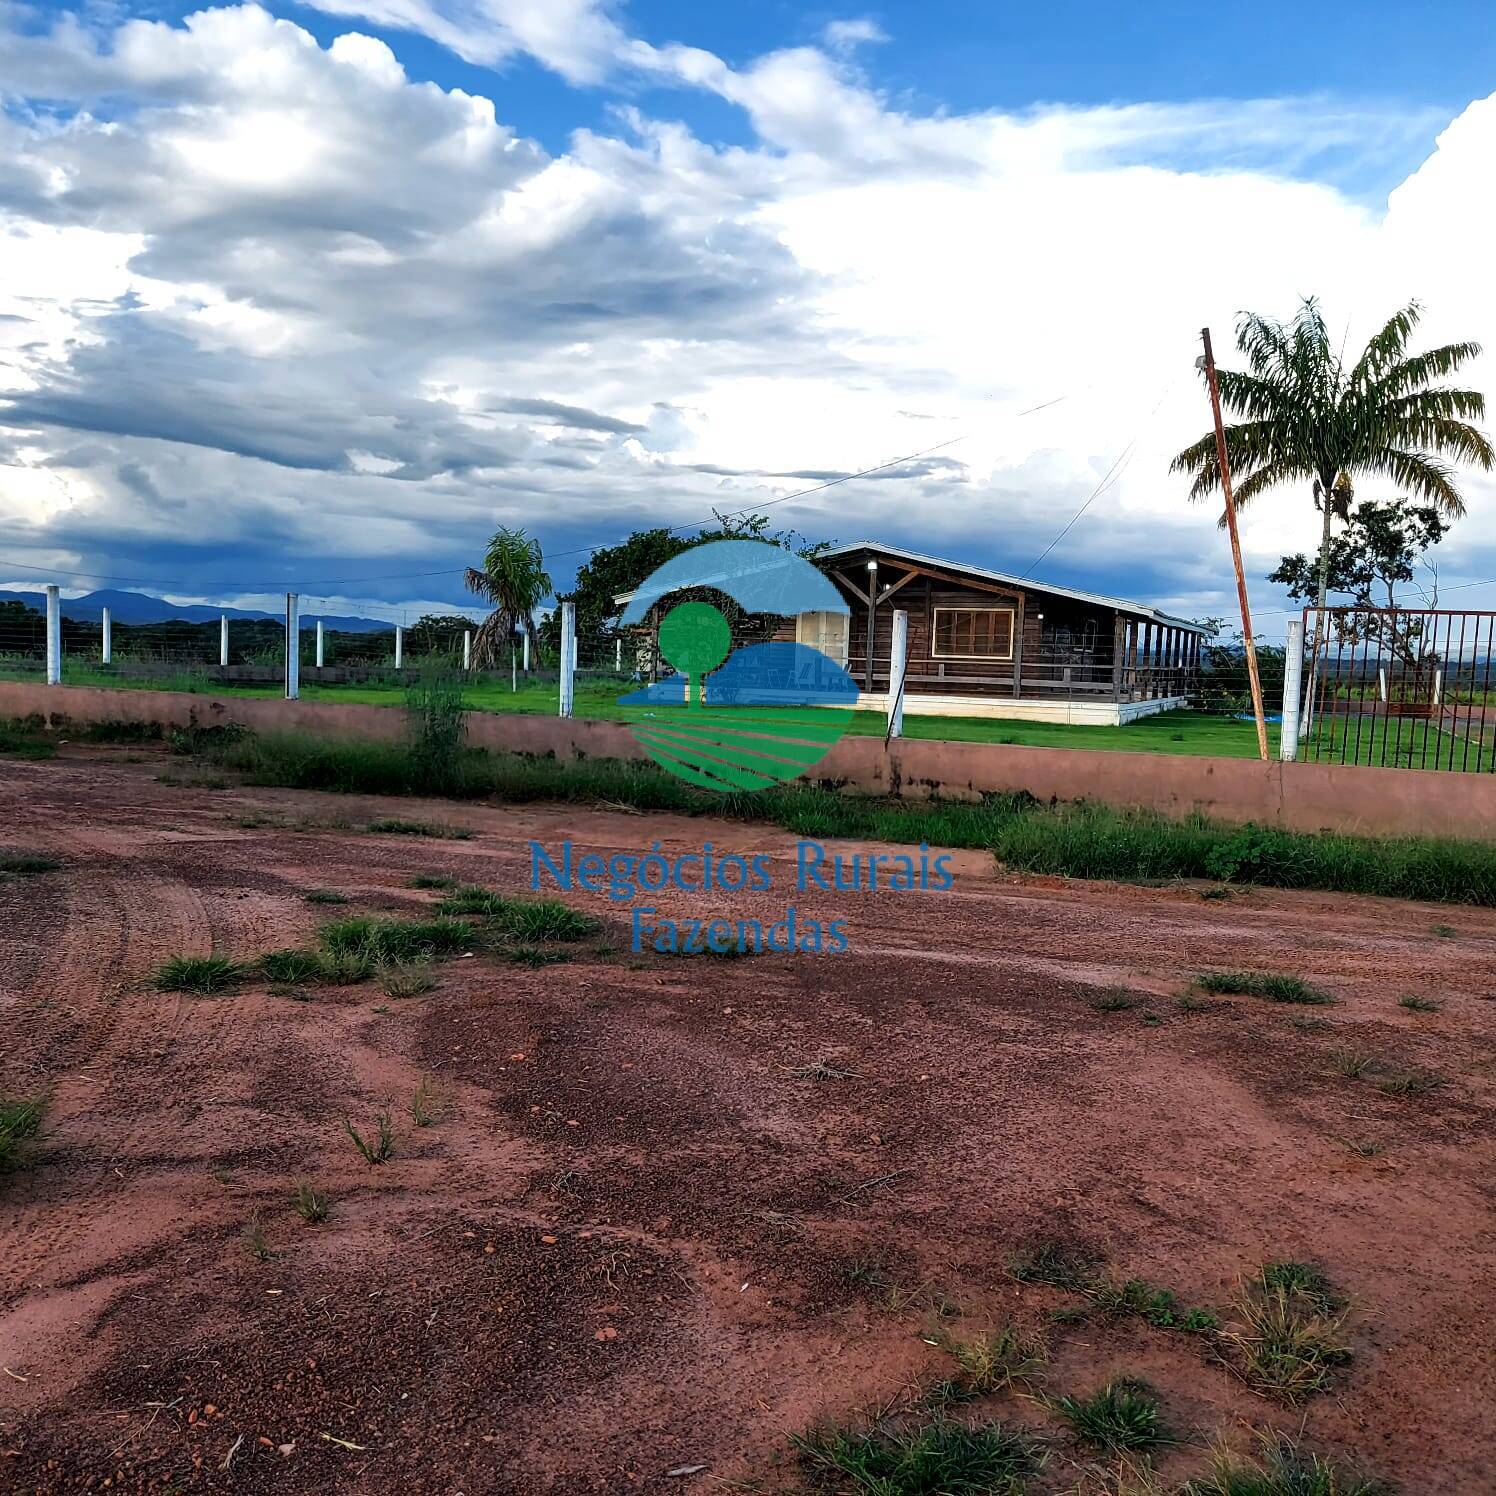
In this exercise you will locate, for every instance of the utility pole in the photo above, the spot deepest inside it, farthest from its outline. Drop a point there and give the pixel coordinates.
(1241, 580)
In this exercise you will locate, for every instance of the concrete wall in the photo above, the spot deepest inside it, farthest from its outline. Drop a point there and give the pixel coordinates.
(1303, 797)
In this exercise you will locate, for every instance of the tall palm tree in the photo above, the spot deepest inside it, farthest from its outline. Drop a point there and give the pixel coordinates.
(514, 580)
(1310, 418)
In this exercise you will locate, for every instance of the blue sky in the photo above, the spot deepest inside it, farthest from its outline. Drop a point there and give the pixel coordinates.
(276, 311)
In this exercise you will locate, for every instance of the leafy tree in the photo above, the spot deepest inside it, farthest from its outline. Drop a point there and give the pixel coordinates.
(437, 633)
(1381, 549)
(615, 569)
(514, 580)
(1308, 417)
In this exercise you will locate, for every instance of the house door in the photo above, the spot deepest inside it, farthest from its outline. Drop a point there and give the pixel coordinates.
(826, 632)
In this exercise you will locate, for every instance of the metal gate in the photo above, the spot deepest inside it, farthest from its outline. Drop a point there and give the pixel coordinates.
(1400, 687)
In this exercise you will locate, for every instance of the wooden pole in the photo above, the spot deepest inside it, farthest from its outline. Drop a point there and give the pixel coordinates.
(1241, 579)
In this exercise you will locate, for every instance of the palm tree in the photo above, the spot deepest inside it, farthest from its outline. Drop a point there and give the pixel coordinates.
(514, 580)
(1309, 418)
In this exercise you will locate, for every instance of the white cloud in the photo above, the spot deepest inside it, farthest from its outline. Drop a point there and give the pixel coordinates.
(265, 300)
(846, 36)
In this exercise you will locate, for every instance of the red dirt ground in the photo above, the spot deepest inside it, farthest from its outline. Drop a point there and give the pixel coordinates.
(625, 1248)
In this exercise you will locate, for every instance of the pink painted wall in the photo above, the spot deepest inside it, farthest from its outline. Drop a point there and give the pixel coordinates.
(1302, 797)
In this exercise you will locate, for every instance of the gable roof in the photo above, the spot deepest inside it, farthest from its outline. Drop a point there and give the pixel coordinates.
(1006, 579)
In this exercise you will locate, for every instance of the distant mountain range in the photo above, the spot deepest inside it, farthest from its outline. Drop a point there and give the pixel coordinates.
(140, 607)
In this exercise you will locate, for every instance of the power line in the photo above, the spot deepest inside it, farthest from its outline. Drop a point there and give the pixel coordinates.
(283, 584)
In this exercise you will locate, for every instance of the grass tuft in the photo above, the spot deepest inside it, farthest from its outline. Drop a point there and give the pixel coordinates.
(1123, 1415)
(292, 966)
(16, 862)
(1116, 1000)
(995, 1362)
(1274, 986)
(256, 1243)
(406, 978)
(312, 1205)
(395, 826)
(1416, 1004)
(385, 941)
(1055, 1263)
(432, 880)
(324, 896)
(19, 1120)
(941, 1458)
(1288, 1339)
(430, 1103)
(1284, 1469)
(200, 974)
(381, 1146)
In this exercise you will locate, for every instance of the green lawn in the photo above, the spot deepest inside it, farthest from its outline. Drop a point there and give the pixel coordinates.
(1169, 732)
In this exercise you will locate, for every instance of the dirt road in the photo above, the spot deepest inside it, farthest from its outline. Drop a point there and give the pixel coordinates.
(672, 1210)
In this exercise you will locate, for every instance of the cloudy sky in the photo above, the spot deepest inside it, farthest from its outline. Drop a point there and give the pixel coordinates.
(317, 297)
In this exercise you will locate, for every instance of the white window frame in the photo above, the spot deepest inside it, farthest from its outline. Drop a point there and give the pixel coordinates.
(936, 653)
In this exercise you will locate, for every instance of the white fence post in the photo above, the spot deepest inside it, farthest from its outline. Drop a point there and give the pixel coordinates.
(54, 635)
(1293, 681)
(319, 644)
(106, 646)
(223, 640)
(898, 646)
(526, 665)
(568, 654)
(293, 646)
(618, 655)
(399, 645)
(467, 649)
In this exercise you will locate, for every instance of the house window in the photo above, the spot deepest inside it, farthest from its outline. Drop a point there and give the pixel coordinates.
(972, 634)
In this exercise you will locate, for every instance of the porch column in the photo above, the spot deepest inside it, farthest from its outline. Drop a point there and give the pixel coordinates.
(1119, 650)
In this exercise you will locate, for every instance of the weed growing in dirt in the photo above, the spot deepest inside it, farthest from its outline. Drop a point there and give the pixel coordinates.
(292, 966)
(1157, 1306)
(1187, 1002)
(1352, 1063)
(1444, 931)
(15, 862)
(324, 896)
(1116, 1000)
(394, 826)
(1365, 1147)
(432, 880)
(995, 1362)
(1288, 1339)
(430, 1103)
(436, 722)
(200, 974)
(469, 898)
(544, 919)
(405, 978)
(1274, 986)
(1123, 1415)
(1302, 1278)
(1411, 1083)
(256, 1243)
(1418, 1004)
(1285, 1469)
(19, 1120)
(312, 1205)
(382, 1146)
(1054, 1263)
(941, 1458)
(534, 955)
(347, 968)
(391, 940)
(23, 740)
(1073, 840)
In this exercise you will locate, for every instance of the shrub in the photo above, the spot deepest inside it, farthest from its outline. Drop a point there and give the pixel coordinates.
(437, 723)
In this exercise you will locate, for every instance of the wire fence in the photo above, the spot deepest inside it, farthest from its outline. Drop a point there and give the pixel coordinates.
(1411, 688)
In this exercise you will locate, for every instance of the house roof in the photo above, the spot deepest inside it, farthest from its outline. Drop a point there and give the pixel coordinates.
(917, 558)
(1006, 579)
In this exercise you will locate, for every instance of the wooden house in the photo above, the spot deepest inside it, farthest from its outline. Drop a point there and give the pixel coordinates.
(985, 644)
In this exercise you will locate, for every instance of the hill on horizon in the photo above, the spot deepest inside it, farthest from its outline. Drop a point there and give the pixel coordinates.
(141, 607)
